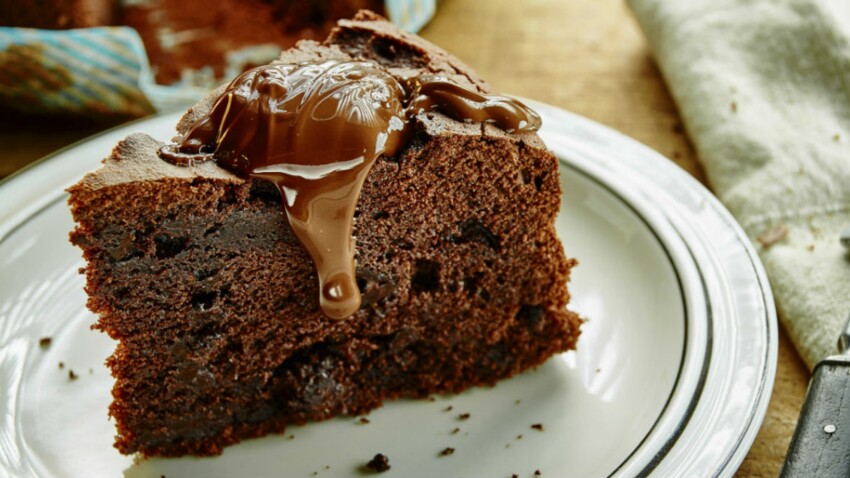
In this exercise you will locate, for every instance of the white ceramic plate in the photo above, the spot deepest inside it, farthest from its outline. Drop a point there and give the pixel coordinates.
(671, 378)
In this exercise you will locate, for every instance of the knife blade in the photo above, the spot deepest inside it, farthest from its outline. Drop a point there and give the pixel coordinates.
(820, 446)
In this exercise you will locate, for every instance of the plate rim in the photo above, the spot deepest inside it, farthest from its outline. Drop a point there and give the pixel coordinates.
(696, 343)
(610, 146)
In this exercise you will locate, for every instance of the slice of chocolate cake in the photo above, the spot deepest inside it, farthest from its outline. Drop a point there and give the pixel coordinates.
(205, 265)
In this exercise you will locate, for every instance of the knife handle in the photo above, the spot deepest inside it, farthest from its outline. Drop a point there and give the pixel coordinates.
(821, 443)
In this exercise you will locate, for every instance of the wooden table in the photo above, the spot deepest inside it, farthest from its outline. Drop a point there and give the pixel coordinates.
(587, 56)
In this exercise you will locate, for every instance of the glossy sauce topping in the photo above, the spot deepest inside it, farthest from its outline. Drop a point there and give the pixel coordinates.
(432, 92)
(314, 130)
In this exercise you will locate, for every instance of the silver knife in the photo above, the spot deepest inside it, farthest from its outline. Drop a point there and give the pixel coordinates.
(821, 443)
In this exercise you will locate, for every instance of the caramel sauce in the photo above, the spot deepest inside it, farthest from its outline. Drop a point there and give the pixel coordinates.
(315, 130)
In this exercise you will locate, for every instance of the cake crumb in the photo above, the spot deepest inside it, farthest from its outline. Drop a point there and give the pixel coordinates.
(61, 365)
(837, 137)
(537, 473)
(464, 416)
(431, 398)
(448, 409)
(45, 342)
(772, 235)
(733, 106)
(810, 247)
(290, 437)
(72, 375)
(517, 401)
(514, 475)
(315, 473)
(447, 451)
(363, 420)
(537, 426)
(455, 431)
(507, 445)
(519, 437)
(379, 463)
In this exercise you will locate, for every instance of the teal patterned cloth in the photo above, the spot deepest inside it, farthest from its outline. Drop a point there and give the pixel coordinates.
(105, 70)
(410, 15)
(94, 70)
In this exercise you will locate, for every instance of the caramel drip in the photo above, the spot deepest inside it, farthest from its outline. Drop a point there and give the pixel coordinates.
(315, 130)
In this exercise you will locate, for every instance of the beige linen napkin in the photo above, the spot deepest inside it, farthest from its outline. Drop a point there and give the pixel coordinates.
(764, 89)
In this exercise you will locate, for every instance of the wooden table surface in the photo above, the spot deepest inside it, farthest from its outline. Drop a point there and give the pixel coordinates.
(587, 56)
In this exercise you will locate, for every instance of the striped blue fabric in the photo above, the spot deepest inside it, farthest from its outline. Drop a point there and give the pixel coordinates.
(410, 15)
(91, 70)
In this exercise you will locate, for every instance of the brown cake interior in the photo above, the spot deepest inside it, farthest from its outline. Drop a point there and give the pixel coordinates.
(214, 301)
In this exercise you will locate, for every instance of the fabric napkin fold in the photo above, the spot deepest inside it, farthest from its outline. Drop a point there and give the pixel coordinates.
(763, 87)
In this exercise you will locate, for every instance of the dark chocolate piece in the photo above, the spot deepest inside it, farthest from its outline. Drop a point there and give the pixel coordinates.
(379, 463)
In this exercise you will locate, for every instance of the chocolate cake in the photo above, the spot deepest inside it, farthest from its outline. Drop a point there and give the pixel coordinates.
(58, 14)
(200, 266)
